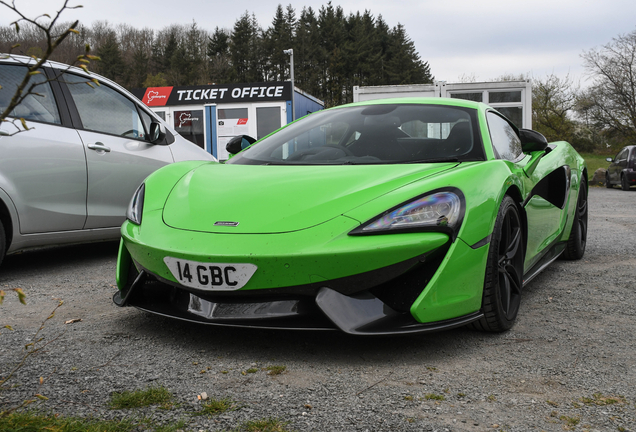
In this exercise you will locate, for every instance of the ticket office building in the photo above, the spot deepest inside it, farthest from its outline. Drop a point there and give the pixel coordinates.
(211, 115)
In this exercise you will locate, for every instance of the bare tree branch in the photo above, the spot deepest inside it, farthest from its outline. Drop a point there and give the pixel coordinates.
(46, 25)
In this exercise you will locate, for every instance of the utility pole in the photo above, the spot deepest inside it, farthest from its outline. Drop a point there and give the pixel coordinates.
(290, 53)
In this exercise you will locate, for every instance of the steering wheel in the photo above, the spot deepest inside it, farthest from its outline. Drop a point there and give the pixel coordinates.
(346, 151)
(314, 150)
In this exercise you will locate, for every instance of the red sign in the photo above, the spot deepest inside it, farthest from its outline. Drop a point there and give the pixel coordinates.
(242, 121)
(157, 96)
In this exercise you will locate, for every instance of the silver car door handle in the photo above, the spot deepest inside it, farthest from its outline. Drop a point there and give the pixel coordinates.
(98, 147)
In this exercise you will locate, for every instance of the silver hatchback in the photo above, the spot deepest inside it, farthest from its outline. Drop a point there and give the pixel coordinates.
(69, 178)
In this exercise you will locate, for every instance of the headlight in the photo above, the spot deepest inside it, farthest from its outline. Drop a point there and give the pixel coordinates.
(136, 205)
(441, 210)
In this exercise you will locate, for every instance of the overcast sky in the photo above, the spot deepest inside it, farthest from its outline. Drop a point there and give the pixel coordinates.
(482, 39)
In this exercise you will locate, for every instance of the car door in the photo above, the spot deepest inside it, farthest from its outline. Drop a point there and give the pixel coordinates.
(543, 217)
(42, 169)
(113, 129)
(618, 165)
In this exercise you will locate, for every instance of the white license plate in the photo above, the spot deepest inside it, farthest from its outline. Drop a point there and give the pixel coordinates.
(210, 276)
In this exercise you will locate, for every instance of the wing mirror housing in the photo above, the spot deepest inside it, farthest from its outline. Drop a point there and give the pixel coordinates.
(239, 143)
(157, 132)
(532, 141)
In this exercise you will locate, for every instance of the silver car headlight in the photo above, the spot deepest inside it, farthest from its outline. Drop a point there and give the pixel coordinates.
(440, 210)
(136, 205)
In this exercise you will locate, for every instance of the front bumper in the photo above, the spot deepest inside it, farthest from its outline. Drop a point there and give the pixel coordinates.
(371, 285)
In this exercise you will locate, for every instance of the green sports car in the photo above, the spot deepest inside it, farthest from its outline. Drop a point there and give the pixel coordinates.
(381, 217)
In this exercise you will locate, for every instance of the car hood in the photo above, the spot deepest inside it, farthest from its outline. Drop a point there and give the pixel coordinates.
(247, 199)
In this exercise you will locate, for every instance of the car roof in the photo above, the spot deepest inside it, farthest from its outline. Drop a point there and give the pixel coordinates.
(26, 60)
(423, 101)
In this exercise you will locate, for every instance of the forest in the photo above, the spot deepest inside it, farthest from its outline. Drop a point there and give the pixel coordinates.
(332, 52)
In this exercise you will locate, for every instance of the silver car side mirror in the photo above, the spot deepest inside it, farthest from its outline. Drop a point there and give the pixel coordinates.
(157, 132)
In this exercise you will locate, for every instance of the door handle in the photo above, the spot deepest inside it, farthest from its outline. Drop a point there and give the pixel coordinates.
(98, 147)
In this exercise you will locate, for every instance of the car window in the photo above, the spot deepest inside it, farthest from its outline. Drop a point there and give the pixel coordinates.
(39, 106)
(504, 139)
(103, 109)
(373, 134)
(622, 155)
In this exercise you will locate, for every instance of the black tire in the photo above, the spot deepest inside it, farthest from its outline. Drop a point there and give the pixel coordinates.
(624, 184)
(504, 271)
(3, 242)
(575, 247)
(608, 184)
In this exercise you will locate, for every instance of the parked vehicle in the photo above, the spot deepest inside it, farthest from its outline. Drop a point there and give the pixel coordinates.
(622, 169)
(382, 217)
(70, 176)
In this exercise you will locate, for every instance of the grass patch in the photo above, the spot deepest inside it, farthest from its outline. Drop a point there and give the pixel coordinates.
(141, 398)
(595, 161)
(433, 396)
(600, 400)
(264, 425)
(570, 422)
(275, 370)
(213, 407)
(35, 422)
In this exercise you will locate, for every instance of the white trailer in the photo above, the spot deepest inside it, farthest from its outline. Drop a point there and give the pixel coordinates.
(512, 98)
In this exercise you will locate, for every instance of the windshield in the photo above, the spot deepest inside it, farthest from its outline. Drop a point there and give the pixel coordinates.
(372, 134)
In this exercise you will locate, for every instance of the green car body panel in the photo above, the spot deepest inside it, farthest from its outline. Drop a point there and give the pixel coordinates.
(296, 222)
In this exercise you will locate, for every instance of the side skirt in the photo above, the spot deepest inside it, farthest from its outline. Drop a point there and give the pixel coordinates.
(547, 259)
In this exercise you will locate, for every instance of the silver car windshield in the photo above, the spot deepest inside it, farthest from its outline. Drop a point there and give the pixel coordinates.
(372, 134)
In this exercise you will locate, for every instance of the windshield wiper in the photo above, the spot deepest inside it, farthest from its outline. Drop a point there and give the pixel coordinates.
(438, 160)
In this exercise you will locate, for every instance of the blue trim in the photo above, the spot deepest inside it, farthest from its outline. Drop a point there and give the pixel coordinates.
(289, 112)
(210, 129)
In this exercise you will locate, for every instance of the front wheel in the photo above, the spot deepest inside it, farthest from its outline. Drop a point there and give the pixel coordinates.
(504, 271)
(575, 247)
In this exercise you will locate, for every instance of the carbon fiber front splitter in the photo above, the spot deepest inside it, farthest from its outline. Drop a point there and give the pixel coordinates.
(358, 314)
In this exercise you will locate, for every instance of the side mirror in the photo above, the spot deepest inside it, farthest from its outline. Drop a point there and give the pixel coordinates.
(532, 141)
(610, 160)
(239, 143)
(157, 132)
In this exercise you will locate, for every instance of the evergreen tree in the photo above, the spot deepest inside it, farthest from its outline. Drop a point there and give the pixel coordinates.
(111, 65)
(219, 56)
(383, 40)
(331, 61)
(362, 53)
(306, 51)
(404, 65)
(193, 65)
(245, 50)
(138, 69)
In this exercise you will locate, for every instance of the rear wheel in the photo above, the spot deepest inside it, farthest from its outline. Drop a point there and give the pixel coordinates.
(575, 247)
(608, 184)
(504, 271)
(624, 183)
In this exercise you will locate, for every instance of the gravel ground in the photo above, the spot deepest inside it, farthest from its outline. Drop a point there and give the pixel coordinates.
(570, 356)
